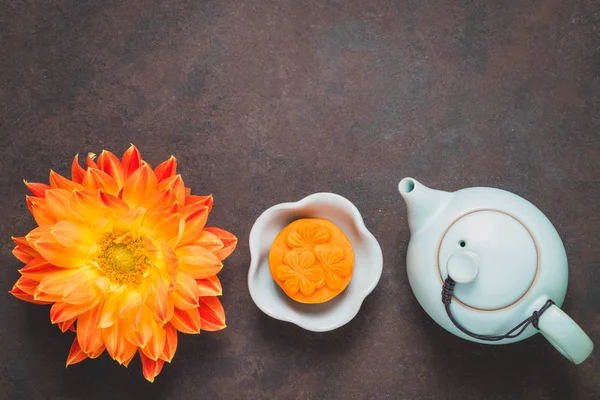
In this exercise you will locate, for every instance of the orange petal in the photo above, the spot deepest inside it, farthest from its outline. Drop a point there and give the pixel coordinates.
(88, 334)
(110, 164)
(198, 262)
(131, 220)
(117, 346)
(25, 246)
(20, 294)
(96, 179)
(89, 161)
(159, 199)
(109, 313)
(37, 189)
(97, 353)
(166, 169)
(186, 294)
(139, 185)
(82, 288)
(186, 321)
(46, 297)
(54, 282)
(90, 208)
(60, 255)
(60, 182)
(209, 286)
(22, 255)
(27, 285)
(150, 368)
(170, 343)
(117, 205)
(161, 301)
(132, 160)
(67, 325)
(212, 314)
(170, 259)
(77, 172)
(128, 301)
(59, 204)
(166, 226)
(229, 241)
(143, 327)
(40, 211)
(75, 354)
(61, 312)
(194, 224)
(155, 346)
(202, 200)
(37, 269)
(209, 241)
(175, 183)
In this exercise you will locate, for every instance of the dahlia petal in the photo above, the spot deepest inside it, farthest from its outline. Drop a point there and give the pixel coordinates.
(143, 327)
(129, 300)
(61, 312)
(90, 208)
(88, 334)
(170, 259)
(37, 233)
(69, 257)
(20, 294)
(175, 183)
(150, 368)
(40, 211)
(170, 343)
(209, 241)
(131, 160)
(198, 262)
(164, 226)
(156, 344)
(54, 282)
(117, 346)
(114, 203)
(75, 354)
(46, 297)
(109, 313)
(96, 179)
(194, 225)
(166, 169)
(82, 288)
(209, 286)
(59, 204)
(159, 199)
(89, 161)
(201, 200)
(110, 164)
(161, 301)
(67, 325)
(138, 186)
(212, 314)
(131, 219)
(229, 241)
(77, 172)
(60, 182)
(37, 189)
(22, 255)
(186, 294)
(23, 243)
(96, 353)
(77, 238)
(26, 284)
(187, 321)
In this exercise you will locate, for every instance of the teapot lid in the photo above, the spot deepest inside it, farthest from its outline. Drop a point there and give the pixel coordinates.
(492, 256)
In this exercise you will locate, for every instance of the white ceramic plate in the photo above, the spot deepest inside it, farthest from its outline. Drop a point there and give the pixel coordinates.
(368, 263)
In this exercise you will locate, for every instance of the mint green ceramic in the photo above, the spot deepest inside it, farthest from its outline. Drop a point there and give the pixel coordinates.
(505, 257)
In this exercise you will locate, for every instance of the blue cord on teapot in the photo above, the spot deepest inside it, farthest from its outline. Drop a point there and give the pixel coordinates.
(448, 292)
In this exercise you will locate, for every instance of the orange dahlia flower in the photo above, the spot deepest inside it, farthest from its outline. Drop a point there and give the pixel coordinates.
(123, 255)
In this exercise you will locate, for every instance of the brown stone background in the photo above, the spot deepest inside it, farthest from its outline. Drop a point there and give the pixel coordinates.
(265, 101)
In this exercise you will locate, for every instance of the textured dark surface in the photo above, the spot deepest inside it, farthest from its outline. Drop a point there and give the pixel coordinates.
(268, 101)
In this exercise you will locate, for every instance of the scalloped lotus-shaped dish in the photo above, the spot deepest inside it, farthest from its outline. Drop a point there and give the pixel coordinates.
(368, 263)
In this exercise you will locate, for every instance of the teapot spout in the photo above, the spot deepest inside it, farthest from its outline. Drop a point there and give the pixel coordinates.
(423, 204)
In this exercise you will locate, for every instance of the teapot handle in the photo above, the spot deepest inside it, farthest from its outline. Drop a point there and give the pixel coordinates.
(565, 335)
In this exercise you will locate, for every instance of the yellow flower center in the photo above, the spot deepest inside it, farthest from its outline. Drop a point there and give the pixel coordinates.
(122, 258)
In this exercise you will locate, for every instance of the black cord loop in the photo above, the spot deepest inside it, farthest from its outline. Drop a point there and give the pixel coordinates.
(448, 292)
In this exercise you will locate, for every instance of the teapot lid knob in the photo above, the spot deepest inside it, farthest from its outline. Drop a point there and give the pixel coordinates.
(463, 266)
